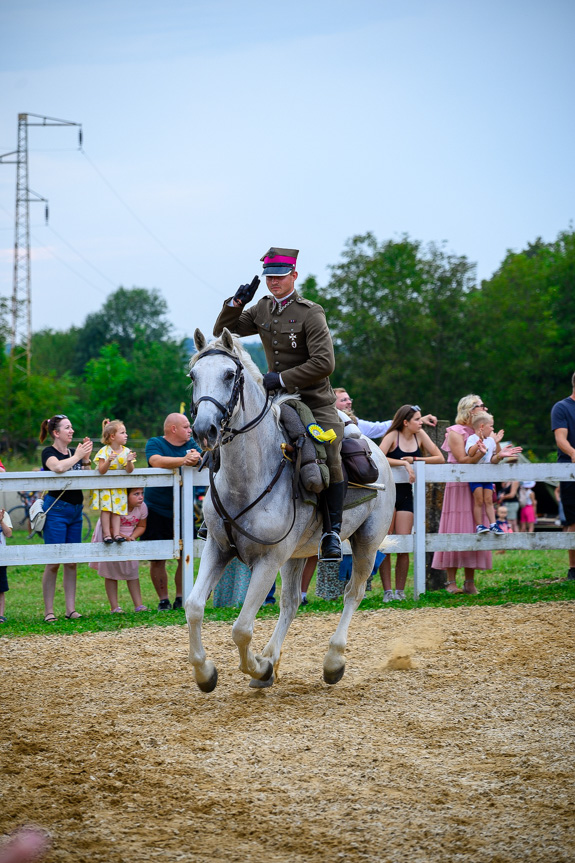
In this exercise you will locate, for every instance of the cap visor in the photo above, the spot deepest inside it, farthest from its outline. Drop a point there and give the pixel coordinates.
(277, 271)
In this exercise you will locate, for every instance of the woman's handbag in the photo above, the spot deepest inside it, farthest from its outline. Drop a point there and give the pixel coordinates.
(358, 462)
(38, 516)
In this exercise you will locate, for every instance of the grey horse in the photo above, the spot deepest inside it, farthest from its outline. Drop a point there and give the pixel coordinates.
(277, 533)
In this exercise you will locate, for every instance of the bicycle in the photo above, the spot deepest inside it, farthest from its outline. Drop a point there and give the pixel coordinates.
(20, 515)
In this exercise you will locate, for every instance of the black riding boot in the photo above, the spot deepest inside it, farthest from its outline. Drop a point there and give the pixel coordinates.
(330, 543)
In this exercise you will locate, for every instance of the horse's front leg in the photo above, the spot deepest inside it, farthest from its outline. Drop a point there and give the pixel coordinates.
(212, 564)
(289, 603)
(263, 575)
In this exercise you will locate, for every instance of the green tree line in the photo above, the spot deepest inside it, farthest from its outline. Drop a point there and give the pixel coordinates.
(122, 362)
(410, 325)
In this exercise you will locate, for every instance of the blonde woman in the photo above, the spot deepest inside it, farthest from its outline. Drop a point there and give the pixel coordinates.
(457, 511)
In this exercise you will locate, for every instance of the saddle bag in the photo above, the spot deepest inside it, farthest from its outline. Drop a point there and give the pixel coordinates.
(358, 462)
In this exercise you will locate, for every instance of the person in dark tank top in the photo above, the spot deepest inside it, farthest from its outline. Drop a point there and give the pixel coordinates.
(403, 445)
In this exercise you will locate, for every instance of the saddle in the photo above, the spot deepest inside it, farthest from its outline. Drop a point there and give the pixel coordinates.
(357, 462)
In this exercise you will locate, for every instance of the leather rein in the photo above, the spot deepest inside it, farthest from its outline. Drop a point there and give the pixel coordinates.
(228, 434)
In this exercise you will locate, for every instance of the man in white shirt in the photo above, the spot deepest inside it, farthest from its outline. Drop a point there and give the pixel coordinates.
(343, 402)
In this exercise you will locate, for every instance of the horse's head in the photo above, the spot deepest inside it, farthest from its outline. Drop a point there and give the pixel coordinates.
(217, 375)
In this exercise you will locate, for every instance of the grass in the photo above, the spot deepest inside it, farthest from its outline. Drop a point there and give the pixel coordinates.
(517, 577)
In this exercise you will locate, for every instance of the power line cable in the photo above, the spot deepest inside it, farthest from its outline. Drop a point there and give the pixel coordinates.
(80, 255)
(66, 264)
(145, 227)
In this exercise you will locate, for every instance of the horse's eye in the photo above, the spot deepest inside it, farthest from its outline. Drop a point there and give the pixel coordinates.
(229, 375)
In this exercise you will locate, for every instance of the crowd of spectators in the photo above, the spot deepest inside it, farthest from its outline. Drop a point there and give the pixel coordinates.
(148, 514)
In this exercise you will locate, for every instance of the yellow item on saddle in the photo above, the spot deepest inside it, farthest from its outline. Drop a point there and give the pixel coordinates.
(319, 434)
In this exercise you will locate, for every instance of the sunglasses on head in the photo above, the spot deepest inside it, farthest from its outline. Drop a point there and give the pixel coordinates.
(479, 406)
(415, 407)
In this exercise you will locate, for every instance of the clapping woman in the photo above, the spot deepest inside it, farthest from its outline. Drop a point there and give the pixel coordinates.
(457, 510)
(63, 509)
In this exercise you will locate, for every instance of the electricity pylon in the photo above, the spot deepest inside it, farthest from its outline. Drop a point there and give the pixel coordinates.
(21, 307)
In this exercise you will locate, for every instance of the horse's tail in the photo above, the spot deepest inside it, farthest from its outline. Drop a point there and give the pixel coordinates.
(387, 545)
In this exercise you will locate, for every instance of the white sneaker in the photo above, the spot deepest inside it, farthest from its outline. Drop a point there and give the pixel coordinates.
(400, 594)
(388, 596)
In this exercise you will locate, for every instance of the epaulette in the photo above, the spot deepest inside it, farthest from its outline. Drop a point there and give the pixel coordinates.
(308, 303)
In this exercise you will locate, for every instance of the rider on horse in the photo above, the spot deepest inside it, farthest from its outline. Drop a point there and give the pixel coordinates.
(300, 357)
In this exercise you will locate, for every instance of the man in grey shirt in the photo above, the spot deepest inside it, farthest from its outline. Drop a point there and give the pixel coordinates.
(343, 402)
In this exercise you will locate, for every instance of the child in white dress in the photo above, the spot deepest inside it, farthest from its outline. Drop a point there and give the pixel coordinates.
(113, 502)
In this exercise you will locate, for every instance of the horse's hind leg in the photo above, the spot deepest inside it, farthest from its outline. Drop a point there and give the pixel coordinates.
(363, 558)
(212, 564)
(289, 603)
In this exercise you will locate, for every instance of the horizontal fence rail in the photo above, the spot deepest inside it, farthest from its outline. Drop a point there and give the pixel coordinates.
(183, 482)
(13, 555)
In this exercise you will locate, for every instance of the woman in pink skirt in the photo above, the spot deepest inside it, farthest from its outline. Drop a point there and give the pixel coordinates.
(457, 511)
(132, 526)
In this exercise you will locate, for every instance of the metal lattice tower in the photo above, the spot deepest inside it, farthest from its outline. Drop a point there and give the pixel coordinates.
(21, 306)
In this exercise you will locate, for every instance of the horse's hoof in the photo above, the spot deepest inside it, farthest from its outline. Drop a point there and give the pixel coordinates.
(261, 684)
(210, 684)
(268, 673)
(332, 677)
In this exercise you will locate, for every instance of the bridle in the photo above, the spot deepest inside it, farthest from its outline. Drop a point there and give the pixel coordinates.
(228, 434)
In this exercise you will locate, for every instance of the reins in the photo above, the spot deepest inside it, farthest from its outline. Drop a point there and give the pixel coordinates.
(228, 434)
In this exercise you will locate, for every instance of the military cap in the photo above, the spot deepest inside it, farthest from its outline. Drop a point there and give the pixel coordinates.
(279, 262)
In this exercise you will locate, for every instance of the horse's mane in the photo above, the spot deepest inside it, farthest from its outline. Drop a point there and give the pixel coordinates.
(247, 363)
(242, 355)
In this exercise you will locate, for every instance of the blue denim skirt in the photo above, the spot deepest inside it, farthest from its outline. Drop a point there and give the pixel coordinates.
(63, 522)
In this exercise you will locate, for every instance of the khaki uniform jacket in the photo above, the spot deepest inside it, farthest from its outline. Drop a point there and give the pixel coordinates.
(296, 341)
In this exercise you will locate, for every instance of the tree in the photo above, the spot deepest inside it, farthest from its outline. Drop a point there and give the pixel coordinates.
(396, 313)
(127, 316)
(522, 354)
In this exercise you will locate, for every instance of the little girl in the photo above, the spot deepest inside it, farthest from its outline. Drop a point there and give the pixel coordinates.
(115, 455)
(132, 525)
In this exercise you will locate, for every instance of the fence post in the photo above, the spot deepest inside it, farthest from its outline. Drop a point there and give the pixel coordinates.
(188, 473)
(419, 529)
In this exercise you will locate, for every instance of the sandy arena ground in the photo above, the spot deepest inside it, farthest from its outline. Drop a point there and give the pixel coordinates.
(450, 738)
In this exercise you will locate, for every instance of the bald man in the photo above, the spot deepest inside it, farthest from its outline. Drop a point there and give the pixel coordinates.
(174, 449)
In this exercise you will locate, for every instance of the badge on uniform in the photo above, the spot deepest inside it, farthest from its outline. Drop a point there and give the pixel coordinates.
(319, 434)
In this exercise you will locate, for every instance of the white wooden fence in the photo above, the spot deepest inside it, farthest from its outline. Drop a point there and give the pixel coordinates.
(420, 542)
(183, 496)
(13, 555)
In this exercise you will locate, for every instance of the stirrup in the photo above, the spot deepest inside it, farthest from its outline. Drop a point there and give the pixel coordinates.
(203, 531)
(333, 551)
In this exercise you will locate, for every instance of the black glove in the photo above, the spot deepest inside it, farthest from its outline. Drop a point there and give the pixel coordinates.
(245, 293)
(272, 381)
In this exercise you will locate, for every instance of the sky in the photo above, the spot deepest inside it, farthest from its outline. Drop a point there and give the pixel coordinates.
(213, 130)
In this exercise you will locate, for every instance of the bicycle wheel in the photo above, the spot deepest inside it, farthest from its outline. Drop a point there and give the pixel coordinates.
(86, 527)
(19, 517)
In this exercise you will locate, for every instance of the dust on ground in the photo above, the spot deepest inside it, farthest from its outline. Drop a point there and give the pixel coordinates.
(450, 738)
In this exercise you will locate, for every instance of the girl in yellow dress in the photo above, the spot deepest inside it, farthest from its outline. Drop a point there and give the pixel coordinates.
(113, 502)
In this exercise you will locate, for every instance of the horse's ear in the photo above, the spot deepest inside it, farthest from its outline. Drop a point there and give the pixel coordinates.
(199, 340)
(228, 340)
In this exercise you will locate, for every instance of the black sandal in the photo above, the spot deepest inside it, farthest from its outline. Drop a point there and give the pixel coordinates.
(108, 540)
(119, 539)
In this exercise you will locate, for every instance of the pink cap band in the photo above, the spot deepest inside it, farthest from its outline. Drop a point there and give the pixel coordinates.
(280, 259)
